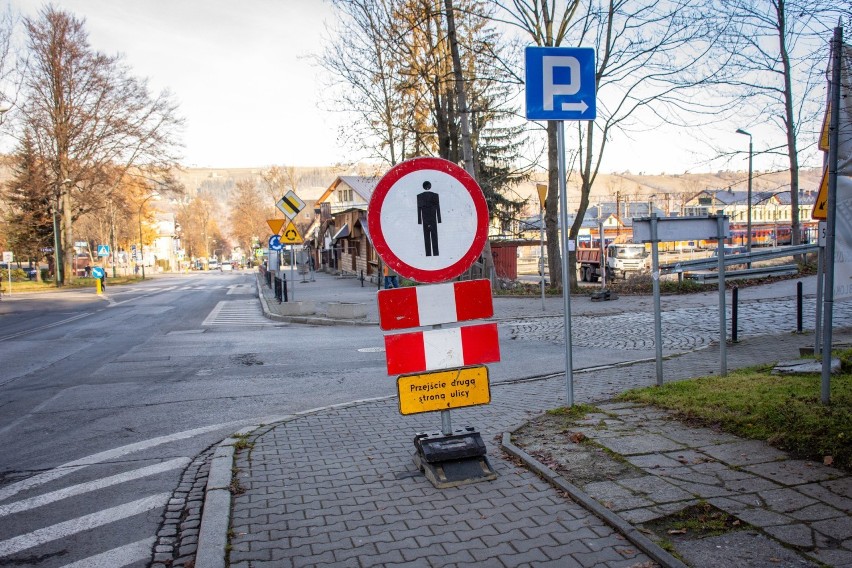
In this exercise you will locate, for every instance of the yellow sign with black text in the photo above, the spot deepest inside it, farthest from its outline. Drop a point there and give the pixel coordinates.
(441, 390)
(291, 235)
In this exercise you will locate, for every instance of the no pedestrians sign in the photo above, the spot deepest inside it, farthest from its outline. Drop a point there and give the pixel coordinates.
(428, 219)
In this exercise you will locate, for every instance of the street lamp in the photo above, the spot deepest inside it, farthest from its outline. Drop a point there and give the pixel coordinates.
(748, 211)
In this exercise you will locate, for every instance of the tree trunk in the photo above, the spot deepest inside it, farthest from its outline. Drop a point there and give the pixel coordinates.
(551, 208)
(467, 147)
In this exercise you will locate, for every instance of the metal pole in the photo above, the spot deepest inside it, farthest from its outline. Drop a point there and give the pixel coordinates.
(723, 335)
(541, 252)
(748, 219)
(56, 264)
(655, 279)
(799, 306)
(292, 278)
(820, 280)
(831, 225)
(735, 299)
(603, 255)
(142, 246)
(566, 283)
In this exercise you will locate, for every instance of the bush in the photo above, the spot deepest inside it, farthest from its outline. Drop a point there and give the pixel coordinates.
(18, 275)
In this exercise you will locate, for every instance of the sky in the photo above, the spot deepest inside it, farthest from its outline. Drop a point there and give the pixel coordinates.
(242, 75)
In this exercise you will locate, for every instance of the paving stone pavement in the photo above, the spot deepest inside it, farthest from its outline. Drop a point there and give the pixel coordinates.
(338, 486)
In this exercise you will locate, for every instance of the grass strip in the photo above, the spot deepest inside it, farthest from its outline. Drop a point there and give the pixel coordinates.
(782, 410)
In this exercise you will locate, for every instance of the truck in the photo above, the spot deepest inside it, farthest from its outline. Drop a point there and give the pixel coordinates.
(622, 259)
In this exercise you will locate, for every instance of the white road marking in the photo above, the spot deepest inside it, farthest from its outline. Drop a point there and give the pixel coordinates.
(121, 556)
(80, 524)
(71, 467)
(155, 291)
(237, 312)
(52, 497)
(43, 327)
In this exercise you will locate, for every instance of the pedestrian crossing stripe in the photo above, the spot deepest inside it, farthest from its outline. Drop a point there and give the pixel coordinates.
(290, 205)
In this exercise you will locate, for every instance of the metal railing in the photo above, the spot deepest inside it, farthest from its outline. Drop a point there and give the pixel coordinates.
(745, 258)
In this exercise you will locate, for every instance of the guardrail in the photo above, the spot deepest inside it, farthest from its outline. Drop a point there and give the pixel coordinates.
(708, 277)
(754, 256)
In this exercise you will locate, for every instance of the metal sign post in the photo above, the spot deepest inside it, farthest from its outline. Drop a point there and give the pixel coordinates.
(560, 86)
(655, 278)
(723, 336)
(566, 281)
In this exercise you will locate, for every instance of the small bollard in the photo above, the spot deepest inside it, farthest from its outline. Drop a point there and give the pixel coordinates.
(362, 279)
(799, 306)
(735, 294)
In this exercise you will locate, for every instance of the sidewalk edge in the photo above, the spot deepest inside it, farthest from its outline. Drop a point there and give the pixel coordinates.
(642, 542)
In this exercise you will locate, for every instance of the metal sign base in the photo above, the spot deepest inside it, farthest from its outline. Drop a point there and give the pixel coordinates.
(450, 460)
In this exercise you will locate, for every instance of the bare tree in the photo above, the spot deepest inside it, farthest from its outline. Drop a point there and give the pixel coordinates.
(546, 22)
(90, 121)
(778, 51)
(248, 214)
(369, 83)
(652, 57)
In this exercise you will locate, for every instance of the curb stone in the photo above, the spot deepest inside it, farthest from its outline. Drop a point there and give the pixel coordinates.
(632, 534)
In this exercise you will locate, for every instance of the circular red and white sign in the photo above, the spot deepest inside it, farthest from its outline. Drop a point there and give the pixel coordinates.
(428, 219)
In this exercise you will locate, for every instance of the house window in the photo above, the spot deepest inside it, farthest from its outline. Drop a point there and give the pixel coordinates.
(344, 195)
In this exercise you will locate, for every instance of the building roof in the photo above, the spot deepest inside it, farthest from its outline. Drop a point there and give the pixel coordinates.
(361, 185)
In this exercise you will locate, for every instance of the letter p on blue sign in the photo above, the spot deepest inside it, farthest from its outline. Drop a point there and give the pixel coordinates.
(560, 83)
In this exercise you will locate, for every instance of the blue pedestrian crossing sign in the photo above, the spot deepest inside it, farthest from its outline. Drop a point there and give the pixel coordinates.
(103, 250)
(98, 272)
(560, 83)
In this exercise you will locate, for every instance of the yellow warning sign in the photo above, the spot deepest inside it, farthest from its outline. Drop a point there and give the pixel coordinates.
(440, 390)
(275, 225)
(291, 235)
(820, 211)
(823, 137)
(542, 193)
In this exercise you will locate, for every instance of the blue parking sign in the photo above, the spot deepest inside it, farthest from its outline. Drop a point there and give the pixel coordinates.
(560, 83)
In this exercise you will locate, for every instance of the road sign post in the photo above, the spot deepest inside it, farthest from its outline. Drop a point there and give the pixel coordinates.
(561, 85)
(428, 221)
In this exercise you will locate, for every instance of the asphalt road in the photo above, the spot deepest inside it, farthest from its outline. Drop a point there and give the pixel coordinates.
(105, 401)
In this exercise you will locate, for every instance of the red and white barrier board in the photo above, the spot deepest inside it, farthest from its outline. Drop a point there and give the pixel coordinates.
(442, 348)
(401, 308)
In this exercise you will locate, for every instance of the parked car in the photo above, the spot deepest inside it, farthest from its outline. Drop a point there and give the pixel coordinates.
(213, 265)
(226, 266)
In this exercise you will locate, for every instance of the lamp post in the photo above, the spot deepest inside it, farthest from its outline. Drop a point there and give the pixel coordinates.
(748, 204)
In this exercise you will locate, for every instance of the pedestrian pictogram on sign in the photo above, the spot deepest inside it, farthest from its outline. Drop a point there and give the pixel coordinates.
(290, 205)
(438, 349)
(103, 250)
(428, 219)
(275, 225)
(291, 235)
(418, 306)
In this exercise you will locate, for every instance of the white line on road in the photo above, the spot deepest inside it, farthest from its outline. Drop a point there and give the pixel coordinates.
(112, 303)
(48, 326)
(121, 556)
(71, 467)
(80, 524)
(52, 497)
